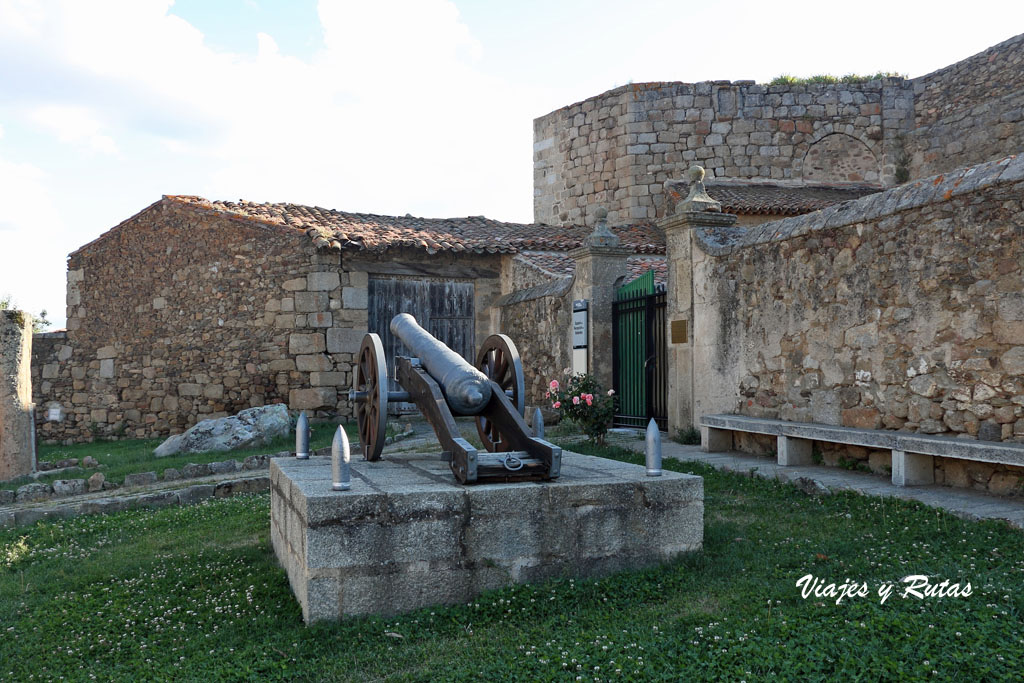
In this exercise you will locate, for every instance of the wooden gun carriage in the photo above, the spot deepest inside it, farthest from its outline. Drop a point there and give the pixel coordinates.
(442, 384)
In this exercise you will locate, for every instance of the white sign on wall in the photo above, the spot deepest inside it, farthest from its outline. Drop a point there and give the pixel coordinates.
(580, 335)
(579, 324)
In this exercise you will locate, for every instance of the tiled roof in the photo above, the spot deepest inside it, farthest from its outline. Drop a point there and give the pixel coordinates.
(775, 200)
(361, 231)
(558, 264)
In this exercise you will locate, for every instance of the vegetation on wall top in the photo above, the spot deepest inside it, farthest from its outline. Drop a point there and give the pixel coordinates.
(39, 322)
(787, 79)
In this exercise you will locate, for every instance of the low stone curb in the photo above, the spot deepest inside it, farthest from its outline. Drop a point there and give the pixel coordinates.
(25, 512)
(189, 495)
(66, 488)
(47, 505)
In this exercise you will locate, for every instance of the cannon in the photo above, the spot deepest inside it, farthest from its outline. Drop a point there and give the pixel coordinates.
(443, 385)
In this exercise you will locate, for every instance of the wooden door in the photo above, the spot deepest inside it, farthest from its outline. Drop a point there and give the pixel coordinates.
(443, 307)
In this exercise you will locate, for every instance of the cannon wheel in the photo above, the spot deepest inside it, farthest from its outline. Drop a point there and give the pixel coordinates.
(499, 360)
(371, 376)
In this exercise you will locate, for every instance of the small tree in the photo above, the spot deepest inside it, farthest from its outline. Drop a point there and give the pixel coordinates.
(583, 402)
(39, 322)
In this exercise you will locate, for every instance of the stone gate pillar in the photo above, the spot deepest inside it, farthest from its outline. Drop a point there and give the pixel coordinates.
(17, 428)
(698, 210)
(600, 265)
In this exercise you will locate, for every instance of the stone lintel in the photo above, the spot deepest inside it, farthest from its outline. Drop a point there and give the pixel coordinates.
(697, 219)
(596, 251)
(408, 536)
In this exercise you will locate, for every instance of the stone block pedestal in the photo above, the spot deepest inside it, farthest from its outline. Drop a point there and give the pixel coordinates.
(408, 536)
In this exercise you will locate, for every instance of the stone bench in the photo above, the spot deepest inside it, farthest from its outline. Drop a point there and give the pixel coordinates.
(912, 454)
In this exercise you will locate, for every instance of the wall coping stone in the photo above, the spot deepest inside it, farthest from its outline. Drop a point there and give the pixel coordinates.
(912, 195)
(555, 288)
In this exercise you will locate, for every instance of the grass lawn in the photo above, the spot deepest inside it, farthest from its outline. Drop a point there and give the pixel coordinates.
(194, 593)
(131, 456)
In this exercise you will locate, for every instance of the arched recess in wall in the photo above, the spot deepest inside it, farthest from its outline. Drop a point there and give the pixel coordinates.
(840, 158)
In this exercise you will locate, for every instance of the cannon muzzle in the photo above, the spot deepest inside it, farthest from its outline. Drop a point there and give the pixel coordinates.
(466, 389)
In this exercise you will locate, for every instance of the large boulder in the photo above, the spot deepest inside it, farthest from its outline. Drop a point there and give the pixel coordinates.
(252, 427)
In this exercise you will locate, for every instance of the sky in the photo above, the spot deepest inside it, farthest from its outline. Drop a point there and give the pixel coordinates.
(378, 106)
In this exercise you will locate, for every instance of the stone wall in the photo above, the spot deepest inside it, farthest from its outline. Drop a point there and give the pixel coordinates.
(617, 149)
(181, 314)
(989, 75)
(177, 315)
(988, 130)
(970, 112)
(17, 433)
(537, 315)
(900, 310)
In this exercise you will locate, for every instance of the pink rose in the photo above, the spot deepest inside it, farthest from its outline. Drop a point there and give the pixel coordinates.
(575, 400)
(556, 404)
(590, 399)
(547, 394)
(554, 385)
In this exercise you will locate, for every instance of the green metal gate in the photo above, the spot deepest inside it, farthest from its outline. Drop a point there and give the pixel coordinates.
(638, 340)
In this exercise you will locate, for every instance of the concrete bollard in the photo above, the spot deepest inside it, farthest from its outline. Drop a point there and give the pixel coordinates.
(653, 449)
(538, 423)
(341, 456)
(302, 437)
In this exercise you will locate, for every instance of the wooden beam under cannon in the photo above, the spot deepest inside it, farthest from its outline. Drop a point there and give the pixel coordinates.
(442, 384)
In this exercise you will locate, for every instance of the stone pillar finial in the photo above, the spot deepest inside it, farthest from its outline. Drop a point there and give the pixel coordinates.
(602, 235)
(698, 199)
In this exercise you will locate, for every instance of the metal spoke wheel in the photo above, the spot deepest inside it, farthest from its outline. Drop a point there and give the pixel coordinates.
(371, 379)
(499, 360)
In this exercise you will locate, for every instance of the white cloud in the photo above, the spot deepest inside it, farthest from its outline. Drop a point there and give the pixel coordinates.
(26, 203)
(387, 118)
(31, 268)
(74, 124)
(394, 99)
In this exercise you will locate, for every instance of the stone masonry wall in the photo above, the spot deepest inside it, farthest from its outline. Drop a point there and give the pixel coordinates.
(540, 329)
(540, 326)
(17, 437)
(900, 310)
(178, 315)
(617, 149)
(49, 384)
(969, 112)
(989, 75)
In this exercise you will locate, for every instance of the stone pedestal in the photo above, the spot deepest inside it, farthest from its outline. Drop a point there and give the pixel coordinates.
(17, 428)
(407, 536)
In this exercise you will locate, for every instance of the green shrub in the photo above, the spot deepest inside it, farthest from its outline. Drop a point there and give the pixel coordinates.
(688, 437)
(787, 79)
(583, 401)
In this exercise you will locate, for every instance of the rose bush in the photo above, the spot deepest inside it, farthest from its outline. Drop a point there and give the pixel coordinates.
(583, 401)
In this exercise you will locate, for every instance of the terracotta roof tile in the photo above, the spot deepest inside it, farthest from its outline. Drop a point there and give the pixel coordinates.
(768, 199)
(342, 230)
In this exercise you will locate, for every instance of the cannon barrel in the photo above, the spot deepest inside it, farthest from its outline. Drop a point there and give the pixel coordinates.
(466, 389)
